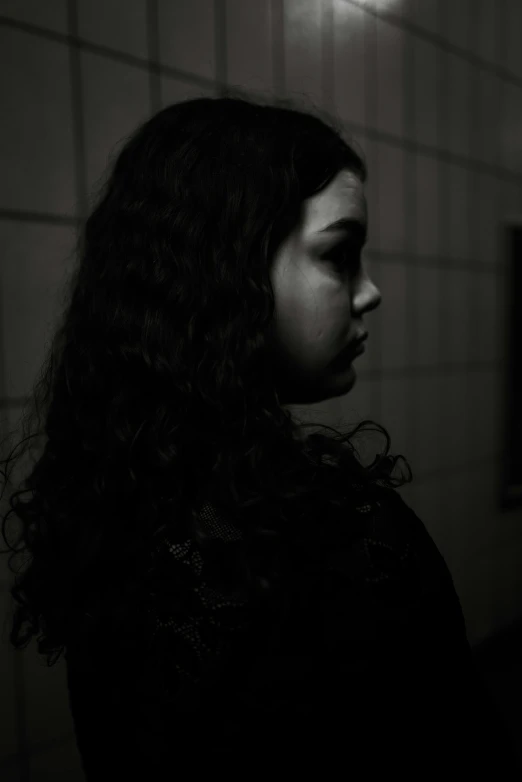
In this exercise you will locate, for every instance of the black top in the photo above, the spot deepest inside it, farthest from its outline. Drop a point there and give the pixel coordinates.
(372, 674)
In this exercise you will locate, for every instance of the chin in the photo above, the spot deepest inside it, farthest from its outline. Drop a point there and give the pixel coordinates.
(336, 387)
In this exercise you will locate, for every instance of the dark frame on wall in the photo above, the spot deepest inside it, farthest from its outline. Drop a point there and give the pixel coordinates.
(511, 480)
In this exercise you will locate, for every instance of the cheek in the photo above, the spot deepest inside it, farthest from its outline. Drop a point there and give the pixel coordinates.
(311, 332)
(312, 313)
(300, 313)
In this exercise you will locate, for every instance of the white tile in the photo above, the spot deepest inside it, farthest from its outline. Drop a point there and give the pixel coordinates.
(391, 214)
(35, 260)
(423, 14)
(509, 22)
(8, 734)
(456, 302)
(249, 44)
(486, 408)
(487, 12)
(428, 289)
(427, 443)
(457, 22)
(116, 101)
(459, 227)
(36, 134)
(473, 198)
(389, 73)
(302, 42)
(174, 91)
(481, 489)
(453, 508)
(516, 195)
(426, 96)
(510, 145)
(187, 36)
(116, 24)
(51, 15)
(45, 685)
(454, 415)
(492, 399)
(393, 315)
(486, 344)
(504, 294)
(484, 199)
(513, 198)
(427, 183)
(507, 206)
(382, 7)
(512, 23)
(456, 106)
(349, 62)
(488, 116)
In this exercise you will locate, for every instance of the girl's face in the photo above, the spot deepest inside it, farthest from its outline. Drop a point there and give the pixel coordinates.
(321, 293)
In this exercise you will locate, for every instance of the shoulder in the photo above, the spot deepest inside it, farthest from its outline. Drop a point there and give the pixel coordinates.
(392, 564)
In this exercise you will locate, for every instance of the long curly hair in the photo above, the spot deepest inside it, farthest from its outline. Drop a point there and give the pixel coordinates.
(157, 391)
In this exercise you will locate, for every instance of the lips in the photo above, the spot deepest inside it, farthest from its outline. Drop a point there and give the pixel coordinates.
(354, 348)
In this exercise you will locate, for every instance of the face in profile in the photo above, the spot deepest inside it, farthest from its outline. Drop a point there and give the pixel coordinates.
(321, 294)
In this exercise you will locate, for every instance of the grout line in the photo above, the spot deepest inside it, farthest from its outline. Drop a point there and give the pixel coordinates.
(388, 256)
(410, 164)
(386, 16)
(153, 49)
(37, 217)
(437, 40)
(220, 44)
(278, 48)
(220, 83)
(77, 105)
(327, 57)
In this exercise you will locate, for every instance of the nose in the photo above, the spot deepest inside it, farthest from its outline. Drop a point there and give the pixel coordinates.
(368, 296)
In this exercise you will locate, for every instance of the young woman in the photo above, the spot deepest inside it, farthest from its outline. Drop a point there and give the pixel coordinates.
(230, 594)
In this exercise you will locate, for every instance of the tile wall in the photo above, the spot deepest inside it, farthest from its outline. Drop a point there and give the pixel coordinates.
(431, 90)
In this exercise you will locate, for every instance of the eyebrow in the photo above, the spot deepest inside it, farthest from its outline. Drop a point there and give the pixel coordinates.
(347, 224)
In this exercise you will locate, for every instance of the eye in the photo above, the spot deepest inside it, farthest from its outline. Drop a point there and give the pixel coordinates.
(344, 257)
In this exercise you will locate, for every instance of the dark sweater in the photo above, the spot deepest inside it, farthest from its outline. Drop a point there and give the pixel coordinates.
(371, 674)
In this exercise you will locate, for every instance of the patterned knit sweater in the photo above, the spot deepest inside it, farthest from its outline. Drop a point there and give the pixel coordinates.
(370, 672)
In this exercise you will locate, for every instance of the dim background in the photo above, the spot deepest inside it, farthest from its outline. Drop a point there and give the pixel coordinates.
(431, 90)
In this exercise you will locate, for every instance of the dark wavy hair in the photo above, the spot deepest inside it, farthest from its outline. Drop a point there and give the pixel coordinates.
(158, 391)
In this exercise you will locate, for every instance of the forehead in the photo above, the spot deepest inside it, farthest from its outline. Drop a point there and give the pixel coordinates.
(343, 197)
